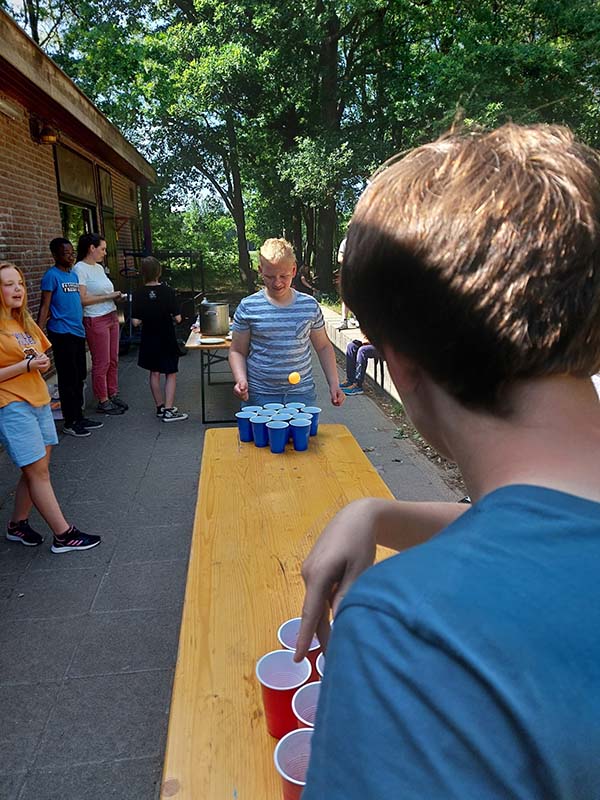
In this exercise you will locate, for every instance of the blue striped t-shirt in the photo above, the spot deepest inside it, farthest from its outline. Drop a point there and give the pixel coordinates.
(279, 342)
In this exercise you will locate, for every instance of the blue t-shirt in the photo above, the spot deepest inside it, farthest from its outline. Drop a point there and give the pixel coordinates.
(66, 312)
(468, 668)
(279, 342)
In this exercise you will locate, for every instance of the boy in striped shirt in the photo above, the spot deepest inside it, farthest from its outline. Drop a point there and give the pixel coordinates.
(272, 333)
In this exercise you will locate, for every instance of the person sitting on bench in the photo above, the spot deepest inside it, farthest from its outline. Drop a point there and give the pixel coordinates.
(358, 353)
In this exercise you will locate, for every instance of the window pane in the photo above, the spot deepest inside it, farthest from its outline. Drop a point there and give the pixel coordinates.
(76, 220)
(75, 175)
(106, 188)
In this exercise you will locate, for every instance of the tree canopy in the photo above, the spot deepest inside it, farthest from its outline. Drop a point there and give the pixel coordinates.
(280, 110)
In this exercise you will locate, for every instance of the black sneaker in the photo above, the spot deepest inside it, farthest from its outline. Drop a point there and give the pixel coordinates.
(118, 402)
(91, 424)
(173, 415)
(76, 429)
(74, 539)
(160, 410)
(108, 407)
(23, 532)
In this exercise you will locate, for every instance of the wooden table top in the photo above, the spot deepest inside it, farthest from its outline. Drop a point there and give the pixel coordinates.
(194, 342)
(257, 516)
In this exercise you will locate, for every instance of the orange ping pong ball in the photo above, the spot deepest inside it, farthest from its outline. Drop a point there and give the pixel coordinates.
(294, 377)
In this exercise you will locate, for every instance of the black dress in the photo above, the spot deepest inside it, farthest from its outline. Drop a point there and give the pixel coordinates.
(155, 306)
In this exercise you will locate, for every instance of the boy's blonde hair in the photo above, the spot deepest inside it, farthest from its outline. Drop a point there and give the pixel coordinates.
(277, 250)
(20, 315)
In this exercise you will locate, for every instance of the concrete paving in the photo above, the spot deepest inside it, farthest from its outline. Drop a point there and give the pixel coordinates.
(88, 641)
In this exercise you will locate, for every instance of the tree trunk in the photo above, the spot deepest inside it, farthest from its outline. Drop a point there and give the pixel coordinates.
(330, 121)
(326, 225)
(239, 214)
(33, 17)
(309, 223)
(296, 231)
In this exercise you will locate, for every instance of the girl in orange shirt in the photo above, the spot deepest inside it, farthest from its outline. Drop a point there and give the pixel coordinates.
(27, 428)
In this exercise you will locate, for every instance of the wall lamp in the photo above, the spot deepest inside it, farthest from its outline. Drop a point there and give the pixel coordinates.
(42, 133)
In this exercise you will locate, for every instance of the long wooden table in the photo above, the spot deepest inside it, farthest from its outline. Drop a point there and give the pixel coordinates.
(257, 516)
(209, 356)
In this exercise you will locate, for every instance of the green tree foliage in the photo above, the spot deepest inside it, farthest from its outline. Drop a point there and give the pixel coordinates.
(282, 108)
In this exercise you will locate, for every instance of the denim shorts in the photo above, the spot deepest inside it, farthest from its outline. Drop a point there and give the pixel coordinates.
(25, 430)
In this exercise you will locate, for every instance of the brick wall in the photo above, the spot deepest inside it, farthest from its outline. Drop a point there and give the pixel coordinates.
(29, 206)
(29, 212)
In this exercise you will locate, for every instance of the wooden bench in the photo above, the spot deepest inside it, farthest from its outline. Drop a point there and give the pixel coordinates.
(257, 516)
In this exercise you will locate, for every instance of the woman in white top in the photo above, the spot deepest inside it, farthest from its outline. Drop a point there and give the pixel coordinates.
(100, 322)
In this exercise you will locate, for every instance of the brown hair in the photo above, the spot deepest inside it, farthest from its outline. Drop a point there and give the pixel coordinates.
(478, 256)
(20, 315)
(151, 269)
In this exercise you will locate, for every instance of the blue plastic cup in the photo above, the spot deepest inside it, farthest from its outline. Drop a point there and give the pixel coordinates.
(259, 430)
(300, 433)
(277, 431)
(244, 427)
(315, 411)
(273, 406)
(303, 415)
(284, 416)
(295, 405)
(256, 409)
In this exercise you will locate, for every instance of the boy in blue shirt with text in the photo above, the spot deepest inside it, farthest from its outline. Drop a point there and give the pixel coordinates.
(61, 313)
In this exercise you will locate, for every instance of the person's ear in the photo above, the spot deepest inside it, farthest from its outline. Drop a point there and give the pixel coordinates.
(404, 371)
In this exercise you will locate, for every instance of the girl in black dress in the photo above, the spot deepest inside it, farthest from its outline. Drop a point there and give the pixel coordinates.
(155, 307)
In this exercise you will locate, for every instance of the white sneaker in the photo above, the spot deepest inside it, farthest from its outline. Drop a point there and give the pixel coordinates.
(173, 415)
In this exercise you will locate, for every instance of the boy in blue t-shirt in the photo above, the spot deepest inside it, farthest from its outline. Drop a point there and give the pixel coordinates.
(468, 665)
(61, 312)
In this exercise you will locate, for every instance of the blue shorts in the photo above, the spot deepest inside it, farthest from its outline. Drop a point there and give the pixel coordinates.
(25, 430)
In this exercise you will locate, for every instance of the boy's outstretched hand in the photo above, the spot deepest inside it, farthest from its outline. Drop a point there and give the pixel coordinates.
(241, 389)
(337, 395)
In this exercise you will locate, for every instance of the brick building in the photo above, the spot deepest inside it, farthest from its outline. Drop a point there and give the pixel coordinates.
(64, 169)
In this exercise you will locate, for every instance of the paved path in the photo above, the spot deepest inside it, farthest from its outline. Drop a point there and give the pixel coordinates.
(88, 641)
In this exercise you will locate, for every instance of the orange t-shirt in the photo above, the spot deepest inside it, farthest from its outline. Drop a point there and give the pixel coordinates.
(15, 345)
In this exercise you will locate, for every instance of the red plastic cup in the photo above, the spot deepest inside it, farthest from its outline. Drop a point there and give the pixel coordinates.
(320, 664)
(304, 704)
(291, 757)
(279, 677)
(288, 636)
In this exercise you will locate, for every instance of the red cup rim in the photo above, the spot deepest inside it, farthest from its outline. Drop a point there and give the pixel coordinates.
(287, 646)
(301, 731)
(305, 663)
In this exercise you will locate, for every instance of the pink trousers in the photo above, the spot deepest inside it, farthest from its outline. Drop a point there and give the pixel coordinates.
(103, 339)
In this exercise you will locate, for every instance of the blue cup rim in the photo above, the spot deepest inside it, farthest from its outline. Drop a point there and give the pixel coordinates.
(259, 419)
(296, 404)
(251, 408)
(300, 423)
(312, 410)
(277, 423)
(303, 415)
(245, 414)
(273, 406)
